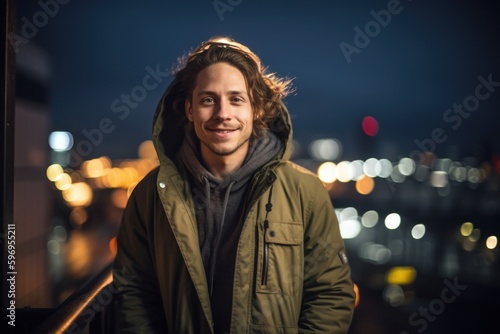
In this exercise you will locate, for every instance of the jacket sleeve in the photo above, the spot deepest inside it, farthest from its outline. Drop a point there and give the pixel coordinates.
(138, 300)
(328, 295)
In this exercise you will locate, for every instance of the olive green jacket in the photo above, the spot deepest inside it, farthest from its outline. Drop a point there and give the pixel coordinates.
(291, 273)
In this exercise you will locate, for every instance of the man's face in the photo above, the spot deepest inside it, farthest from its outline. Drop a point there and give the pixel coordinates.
(221, 112)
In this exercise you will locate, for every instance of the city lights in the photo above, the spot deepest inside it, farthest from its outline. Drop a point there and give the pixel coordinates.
(349, 228)
(392, 221)
(365, 185)
(369, 218)
(370, 126)
(53, 172)
(466, 229)
(401, 275)
(345, 172)
(63, 181)
(61, 141)
(327, 172)
(418, 231)
(325, 149)
(78, 194)
(491, 242)
(372, 167)
(406, 166)
(439, 179)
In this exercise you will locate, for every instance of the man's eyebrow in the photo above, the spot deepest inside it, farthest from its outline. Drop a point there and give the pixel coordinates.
(231, 92)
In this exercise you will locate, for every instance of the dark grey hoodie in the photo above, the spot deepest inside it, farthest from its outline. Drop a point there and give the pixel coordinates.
(219, 207)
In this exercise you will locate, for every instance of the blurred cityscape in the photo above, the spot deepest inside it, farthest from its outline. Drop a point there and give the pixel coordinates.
(421, 228)
(412, 230)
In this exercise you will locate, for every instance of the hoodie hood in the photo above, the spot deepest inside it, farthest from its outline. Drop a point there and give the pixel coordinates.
(170, 121)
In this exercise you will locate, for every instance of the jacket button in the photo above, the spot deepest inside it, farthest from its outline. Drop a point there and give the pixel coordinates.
(162, 184)
(272, 233)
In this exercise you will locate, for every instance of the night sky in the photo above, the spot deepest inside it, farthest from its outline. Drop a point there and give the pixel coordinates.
(412, 61)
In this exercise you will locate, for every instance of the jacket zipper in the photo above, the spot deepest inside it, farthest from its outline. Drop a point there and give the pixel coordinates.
(265, 262)
(266, 255)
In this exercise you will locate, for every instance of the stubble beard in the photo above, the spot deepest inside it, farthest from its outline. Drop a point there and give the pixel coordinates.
(221, 151)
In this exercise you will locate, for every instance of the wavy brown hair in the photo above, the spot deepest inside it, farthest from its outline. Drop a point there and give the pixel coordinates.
(266, 90)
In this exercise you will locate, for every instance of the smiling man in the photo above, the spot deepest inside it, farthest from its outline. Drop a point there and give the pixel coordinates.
(228, 235)
(222, 115)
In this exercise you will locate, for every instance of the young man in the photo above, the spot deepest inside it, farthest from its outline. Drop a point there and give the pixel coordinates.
(227, 235)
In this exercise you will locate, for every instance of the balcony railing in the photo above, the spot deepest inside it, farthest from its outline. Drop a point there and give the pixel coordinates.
(89, 309)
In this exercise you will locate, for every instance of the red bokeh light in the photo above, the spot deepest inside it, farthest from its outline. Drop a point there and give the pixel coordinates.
(370, 126)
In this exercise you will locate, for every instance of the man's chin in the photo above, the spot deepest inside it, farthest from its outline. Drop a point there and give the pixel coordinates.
(225, 150)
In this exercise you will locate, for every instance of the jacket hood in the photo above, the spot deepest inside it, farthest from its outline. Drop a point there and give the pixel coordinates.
(170, 120)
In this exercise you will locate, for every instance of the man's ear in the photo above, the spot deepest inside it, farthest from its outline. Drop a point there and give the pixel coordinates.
(188, 110)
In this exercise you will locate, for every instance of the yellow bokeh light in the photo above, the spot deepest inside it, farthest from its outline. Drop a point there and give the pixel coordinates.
(130, 176)
(147, 150)
(466, 229)
(93, 168)
(492, 242)
(327, 172)
(114, 178)
(63, 181)
(365, 185)
(78, 194)
(53, 171)
(106, 162)
(401, 275)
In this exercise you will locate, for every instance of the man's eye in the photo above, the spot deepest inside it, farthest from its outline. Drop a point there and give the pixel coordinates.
(237, 99)
(208, 100)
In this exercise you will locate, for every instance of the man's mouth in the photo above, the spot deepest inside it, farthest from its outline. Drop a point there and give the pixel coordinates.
(222, 130)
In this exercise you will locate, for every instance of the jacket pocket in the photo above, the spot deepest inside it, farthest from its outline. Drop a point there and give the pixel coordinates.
(281, 257)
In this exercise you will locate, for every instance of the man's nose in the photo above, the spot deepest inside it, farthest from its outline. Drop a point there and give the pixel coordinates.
(223, 110)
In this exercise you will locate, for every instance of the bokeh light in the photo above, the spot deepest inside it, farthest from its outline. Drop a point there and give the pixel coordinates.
(403, 275)
(439, 179)
(61, 141)
(327, 172)
(63, 181)
(418, 231)
(345, 171)
(370, 126)
(406, 166)
(392, 221)
(369, 218)
(492, 242)
(53, 171)
(78, 194)
(466, 229)
(372, 167)
(325, 149)
(365, 185)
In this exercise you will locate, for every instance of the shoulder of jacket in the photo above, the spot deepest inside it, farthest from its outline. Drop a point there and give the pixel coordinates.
(293, 168)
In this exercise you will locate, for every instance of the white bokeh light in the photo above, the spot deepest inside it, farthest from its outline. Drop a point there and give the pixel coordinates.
(418, 231)
(392, 221)
(61, 141)
(326, 149)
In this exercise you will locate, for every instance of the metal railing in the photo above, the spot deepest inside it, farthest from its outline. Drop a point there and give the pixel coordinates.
(89, 309)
